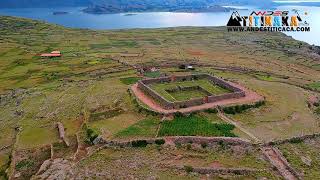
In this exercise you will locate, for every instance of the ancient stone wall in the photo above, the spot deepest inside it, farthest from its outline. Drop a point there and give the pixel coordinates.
(210, 141)
(188, 88)
(226, 96)
(223, 83)
(224, 171)
(293, 139)
(150, 92)
(156, 80)
(188, 103)
(144, 86)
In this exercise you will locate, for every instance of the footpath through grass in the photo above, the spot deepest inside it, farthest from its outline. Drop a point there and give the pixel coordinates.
(195, 125)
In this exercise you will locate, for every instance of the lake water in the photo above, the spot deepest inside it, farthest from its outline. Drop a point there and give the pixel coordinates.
(77, 19)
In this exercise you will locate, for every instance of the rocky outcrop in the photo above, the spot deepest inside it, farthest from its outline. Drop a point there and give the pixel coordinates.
(16, 96)
(62, 133)
(57, 169)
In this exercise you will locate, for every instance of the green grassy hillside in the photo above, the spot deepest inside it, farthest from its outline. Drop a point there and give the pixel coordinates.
(89, 83)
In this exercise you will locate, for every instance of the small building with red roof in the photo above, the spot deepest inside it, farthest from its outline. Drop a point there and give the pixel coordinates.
(52, 54)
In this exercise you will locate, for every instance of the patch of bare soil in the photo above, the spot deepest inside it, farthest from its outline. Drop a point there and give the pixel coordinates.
(195, 52)
(55, 169)
(215, 164)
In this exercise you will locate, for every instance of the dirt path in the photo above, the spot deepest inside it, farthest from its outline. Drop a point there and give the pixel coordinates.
(277, 160)
(229, 120)
(250, 97)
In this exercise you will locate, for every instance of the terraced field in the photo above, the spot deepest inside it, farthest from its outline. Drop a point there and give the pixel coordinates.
(87, 91)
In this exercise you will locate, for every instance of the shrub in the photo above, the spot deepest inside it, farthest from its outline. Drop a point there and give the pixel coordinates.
(188, 169)
(295, 140)
(229, 110)
(178, 114)
(222, 144)
(160, 141)
(272, 143)
(139, 143)
(258, 104)
(241, 108)
(213, 111)
(204, 145)
(317, 111)
(3, 173)
(183, 106)
(182, 66)
(189, 146)
(24, 164)
(91, 135)
(238, 109)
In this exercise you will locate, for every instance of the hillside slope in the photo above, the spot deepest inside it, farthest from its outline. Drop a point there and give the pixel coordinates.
(88, 86)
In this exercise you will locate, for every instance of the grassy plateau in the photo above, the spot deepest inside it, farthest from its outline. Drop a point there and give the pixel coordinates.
(87, 91)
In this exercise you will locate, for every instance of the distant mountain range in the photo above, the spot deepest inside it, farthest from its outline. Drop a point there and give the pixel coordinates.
(116, 6)
(42, 3)
(122, 3)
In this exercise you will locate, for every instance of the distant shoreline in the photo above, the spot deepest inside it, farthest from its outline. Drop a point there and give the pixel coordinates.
(109, 10)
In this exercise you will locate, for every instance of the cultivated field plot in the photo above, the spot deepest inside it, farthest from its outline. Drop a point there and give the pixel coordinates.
(196, 125)
(206, 88)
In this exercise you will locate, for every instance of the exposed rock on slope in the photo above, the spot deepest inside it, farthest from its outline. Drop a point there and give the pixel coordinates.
(55, 169)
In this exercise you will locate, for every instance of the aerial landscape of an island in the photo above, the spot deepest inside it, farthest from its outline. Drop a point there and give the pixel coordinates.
(164, 103)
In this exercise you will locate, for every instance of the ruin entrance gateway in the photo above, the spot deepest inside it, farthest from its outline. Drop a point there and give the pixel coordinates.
(176, 92)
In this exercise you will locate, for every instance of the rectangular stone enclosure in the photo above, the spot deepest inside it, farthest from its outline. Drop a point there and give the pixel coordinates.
(179, 96)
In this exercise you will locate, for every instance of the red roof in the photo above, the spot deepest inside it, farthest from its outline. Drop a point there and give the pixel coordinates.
(50, 55)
